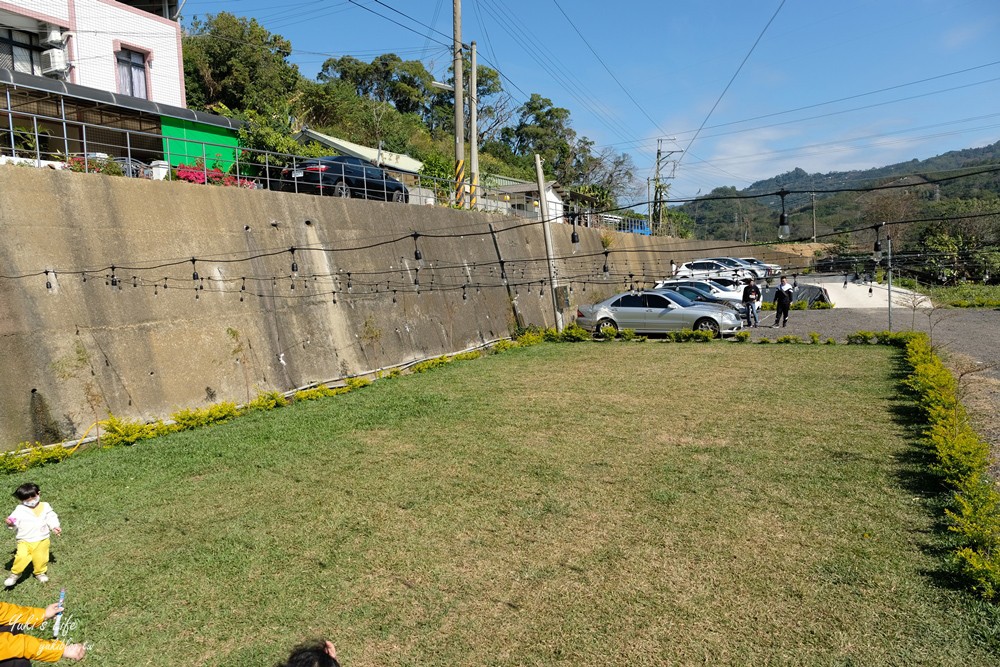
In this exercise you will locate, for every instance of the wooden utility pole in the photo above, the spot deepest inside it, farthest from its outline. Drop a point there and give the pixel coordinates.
(543, 201)
(459, 105)
(814, 216)
(473, 130)
(659, 188)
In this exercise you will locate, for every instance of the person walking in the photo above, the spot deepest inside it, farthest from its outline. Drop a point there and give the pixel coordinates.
(782, 303)
(751, 295)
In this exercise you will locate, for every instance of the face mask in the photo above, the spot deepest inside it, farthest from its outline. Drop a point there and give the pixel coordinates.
(31, 503)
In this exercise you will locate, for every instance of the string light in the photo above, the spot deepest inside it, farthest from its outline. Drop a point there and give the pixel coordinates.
(194, 270)
(295, 265)
(48, 283)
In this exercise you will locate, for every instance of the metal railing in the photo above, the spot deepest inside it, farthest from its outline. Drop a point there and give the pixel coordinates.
(67, 144)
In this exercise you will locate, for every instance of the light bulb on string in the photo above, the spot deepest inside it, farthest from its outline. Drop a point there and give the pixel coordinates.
(194, 270)
(465, 295)
(84, 276)
(48, 283)
(416, 277)
(349, 284)
(574, 238)
(605, 269)
(394, 296)
(295, 265)
(417, 255)
(135, 281)
(156, 291)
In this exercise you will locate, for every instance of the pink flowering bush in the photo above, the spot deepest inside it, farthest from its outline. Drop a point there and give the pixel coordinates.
(196, 173)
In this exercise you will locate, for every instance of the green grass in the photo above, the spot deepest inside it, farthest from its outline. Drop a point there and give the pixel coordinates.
(965, 296)
(632, 504)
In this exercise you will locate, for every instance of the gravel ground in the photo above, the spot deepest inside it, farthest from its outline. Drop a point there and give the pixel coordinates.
(966, 338)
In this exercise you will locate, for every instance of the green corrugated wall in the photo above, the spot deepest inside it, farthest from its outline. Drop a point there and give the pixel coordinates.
(185, 142)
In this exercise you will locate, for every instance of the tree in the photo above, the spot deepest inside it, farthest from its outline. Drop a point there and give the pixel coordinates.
(543, 129)
(235, 62)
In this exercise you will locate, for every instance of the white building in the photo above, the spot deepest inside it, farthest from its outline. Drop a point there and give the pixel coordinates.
(130, 48)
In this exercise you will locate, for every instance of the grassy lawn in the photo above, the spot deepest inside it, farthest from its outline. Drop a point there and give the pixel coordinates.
(631, 504)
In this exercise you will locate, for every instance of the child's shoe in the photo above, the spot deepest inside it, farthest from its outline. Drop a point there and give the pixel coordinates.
(11, 580)
(43, 578)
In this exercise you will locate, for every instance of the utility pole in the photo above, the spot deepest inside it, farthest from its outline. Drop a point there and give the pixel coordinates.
(473, 130)
(459, 104)
(814, 216)
(543, 201)
(659, 188)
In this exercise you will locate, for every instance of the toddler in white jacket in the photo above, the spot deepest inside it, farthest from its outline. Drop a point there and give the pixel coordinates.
(32, 520)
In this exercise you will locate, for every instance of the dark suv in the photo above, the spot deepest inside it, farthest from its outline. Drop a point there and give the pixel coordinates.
(342, 176)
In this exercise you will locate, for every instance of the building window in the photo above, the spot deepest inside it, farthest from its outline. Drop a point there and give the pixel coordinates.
(132, 73)
(20, 51)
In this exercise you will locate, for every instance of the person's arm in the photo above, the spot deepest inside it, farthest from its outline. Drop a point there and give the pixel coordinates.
(33, 648)
(52, 519)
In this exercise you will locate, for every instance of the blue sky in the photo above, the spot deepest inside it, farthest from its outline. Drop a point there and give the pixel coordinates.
(829, 86)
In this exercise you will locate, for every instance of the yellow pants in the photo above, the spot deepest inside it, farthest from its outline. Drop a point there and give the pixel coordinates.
(36, 553)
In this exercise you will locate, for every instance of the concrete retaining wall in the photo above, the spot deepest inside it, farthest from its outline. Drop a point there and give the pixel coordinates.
(84, 348)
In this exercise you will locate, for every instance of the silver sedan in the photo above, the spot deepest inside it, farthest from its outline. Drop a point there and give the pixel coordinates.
(657, 312)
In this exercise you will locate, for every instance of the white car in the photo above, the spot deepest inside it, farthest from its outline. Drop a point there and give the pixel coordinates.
(733, 263)
(772, 269)
(710, 268)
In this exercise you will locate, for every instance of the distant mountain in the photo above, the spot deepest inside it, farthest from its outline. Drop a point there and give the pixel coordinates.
(755, 219)
(799, 179)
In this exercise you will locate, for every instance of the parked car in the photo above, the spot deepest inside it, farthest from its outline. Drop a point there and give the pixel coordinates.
(772, 269)
(701, 296)
(657, 312)
(342, 176)
(732, 292)
(710, 268)
(733, 263)
(134, 168)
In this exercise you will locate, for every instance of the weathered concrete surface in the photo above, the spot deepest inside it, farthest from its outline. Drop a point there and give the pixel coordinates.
(87, 349)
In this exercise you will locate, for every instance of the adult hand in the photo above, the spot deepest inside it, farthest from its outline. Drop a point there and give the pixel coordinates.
(74, 651)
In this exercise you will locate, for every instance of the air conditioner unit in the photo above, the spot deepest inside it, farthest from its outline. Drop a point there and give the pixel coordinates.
(52, 35)
(54, 62)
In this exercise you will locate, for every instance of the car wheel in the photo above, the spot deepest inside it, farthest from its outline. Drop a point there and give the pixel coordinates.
(398, 196)
(340, 189)
(606, 323)
(707, 324)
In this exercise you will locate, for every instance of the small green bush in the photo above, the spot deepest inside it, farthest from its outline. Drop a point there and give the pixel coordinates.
(768, 305)
(467, 356)
(764, 340)
(628, 335)
(606, 332)
(117, 432)
(799, 305)
(820, 305)
(741, 336)
(814, 337)
(788, 340)
(690, 336)
(574, 333)
(503, 345)
(219, 413)
(831, 341)
(360, 383)
(424, 366)
(861, 338)
(266, 401)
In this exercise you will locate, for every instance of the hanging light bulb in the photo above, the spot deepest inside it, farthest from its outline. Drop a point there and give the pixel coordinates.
(795, 280)
(784, 231)
(164, 282)
(295, 265)
(605, 269)
(871, 292)
(349, 285)
(575, 237)
(416, 277)
(417, 255)
(465, 295)
(503, 272)
(243, 286)
(84, 276)
(135, 281)
(114, 278)
(194, 269)
(394, 296)
(48, 283)
(156, 291)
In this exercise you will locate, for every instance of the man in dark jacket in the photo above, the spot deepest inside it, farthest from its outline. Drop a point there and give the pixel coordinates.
(751, 295)
(782, 302)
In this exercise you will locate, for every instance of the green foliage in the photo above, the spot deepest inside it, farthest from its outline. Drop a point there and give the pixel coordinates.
(861, 338)
(961, 460)
(741, 336)
(629, 335)
(530, 335)
(768, 305)
(820, 305)
(814, 338)
(789, 339)
(689, 336)
(189, 418)
(503, 345)
(550, 335)
(467, 356)
(764, 340)
(234, 62)
(358, 382)
(831, 341)
(31, 455)
(266, 401)
(801, 304)
(117, 432)
(424, 366)
(574, 333)
(319, 391)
